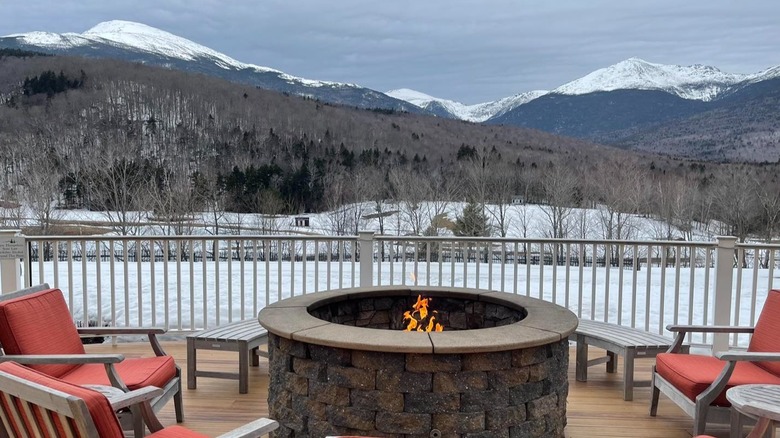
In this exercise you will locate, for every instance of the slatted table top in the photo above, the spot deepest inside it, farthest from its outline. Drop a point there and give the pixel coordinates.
(247, 331)
(756, 400)
(622, 335)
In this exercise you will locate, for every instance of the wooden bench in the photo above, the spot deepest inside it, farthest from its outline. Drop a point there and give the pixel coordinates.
(617, 340)
(242, 336)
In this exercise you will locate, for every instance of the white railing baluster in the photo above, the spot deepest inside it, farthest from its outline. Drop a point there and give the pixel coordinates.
(607, 270)
(98, 284)
(677, 261)
(593, 275)
(139, 280)
(662, 313)
(648, 283)
(126, 278)
(152, 282)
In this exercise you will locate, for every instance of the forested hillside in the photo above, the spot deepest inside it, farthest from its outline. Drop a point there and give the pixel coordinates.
(114, 136)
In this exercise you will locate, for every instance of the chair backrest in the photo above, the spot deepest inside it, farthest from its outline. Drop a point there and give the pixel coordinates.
(39, 323)
(766, 337)
(23, 292)
(34, 404)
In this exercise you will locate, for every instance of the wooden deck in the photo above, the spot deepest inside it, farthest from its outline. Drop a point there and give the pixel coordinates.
(595, 409)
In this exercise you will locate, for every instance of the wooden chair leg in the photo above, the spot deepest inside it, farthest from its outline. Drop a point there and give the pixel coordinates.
(654, 395)
(700, 418)
(178, 402)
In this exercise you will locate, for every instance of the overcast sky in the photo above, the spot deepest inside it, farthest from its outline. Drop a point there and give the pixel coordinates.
(469, 51)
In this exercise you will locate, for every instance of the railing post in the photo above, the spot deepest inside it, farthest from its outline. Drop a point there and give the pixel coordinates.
(12, 250)
(366, 242)
(724, 278)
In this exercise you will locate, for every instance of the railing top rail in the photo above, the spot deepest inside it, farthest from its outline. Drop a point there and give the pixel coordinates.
(745, 245)
(190, 237)
(687, 243)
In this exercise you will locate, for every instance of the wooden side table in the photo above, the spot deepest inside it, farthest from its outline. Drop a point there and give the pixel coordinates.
(757, 401)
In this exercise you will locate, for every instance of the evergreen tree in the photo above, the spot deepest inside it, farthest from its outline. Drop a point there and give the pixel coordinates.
(472, 222)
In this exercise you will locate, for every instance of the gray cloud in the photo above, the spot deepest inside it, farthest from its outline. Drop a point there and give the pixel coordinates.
(471, 51)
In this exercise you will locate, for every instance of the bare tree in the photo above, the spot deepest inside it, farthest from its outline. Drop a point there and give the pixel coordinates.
(411, 192)
(40, 183)
(502, 188)
(559, 188)
(173, 203)
(620, 193)
(737, 205)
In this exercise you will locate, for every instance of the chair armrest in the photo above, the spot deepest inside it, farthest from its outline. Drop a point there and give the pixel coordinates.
(731, 358)
(709, 329)
(108, 331)
(108, 361)
(254, 429)
(682, 330)
(751, 356)
(49, 359)
(126, 399)
(151, 332)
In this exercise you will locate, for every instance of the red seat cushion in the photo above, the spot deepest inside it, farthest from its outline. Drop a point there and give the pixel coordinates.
(39, 323)
(176, 432)
(766, 337)
(135, 372)
(100, 410)
(693, 373)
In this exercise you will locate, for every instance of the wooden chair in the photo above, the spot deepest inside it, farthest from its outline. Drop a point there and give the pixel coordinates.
(37, 329)
(33, 404)
(698, 383)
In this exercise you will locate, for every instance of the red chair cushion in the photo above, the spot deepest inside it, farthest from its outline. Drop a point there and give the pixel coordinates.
(766, 337)
(100, 410)
(39, 323)
(176, 432)
(135, 372)
(693, 373)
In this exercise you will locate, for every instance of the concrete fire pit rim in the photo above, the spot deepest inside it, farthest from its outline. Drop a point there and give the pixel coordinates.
(544, 323)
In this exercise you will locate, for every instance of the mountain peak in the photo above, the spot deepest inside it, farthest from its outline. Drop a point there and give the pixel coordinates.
(699, 82)
(122, 26)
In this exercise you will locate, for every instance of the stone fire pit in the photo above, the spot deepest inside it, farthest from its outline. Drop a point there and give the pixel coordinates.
(340, 365)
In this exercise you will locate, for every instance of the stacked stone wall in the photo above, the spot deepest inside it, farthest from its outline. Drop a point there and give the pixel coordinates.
(317, 391)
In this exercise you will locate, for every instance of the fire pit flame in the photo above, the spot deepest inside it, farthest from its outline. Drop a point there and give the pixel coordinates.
(420, 319)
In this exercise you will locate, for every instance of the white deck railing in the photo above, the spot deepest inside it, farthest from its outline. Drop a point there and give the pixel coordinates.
(186, 283)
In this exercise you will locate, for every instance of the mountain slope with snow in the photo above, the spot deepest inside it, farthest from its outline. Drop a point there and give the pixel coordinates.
(695, 82)
(141, 43)
(473, 113)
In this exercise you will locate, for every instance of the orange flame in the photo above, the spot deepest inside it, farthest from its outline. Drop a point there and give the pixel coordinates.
(417, 318)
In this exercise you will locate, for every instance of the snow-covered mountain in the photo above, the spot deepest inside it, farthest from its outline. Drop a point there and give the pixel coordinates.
(473, 113)
(141, 43)
(696, 82)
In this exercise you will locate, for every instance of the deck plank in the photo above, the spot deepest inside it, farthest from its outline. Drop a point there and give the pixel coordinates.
(595, 407)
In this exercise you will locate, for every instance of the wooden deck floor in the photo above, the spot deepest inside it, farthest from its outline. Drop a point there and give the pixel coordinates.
(595, 408)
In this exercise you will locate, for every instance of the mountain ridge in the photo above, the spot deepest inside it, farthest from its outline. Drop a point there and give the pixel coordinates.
(622, 104)
(138, 42)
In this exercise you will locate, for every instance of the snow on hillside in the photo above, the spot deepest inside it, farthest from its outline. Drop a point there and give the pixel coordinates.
(473, 113)
(698, 82)
(524, 221)
(147, 39)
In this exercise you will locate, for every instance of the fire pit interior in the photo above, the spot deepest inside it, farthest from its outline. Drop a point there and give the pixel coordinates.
(342, 364)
